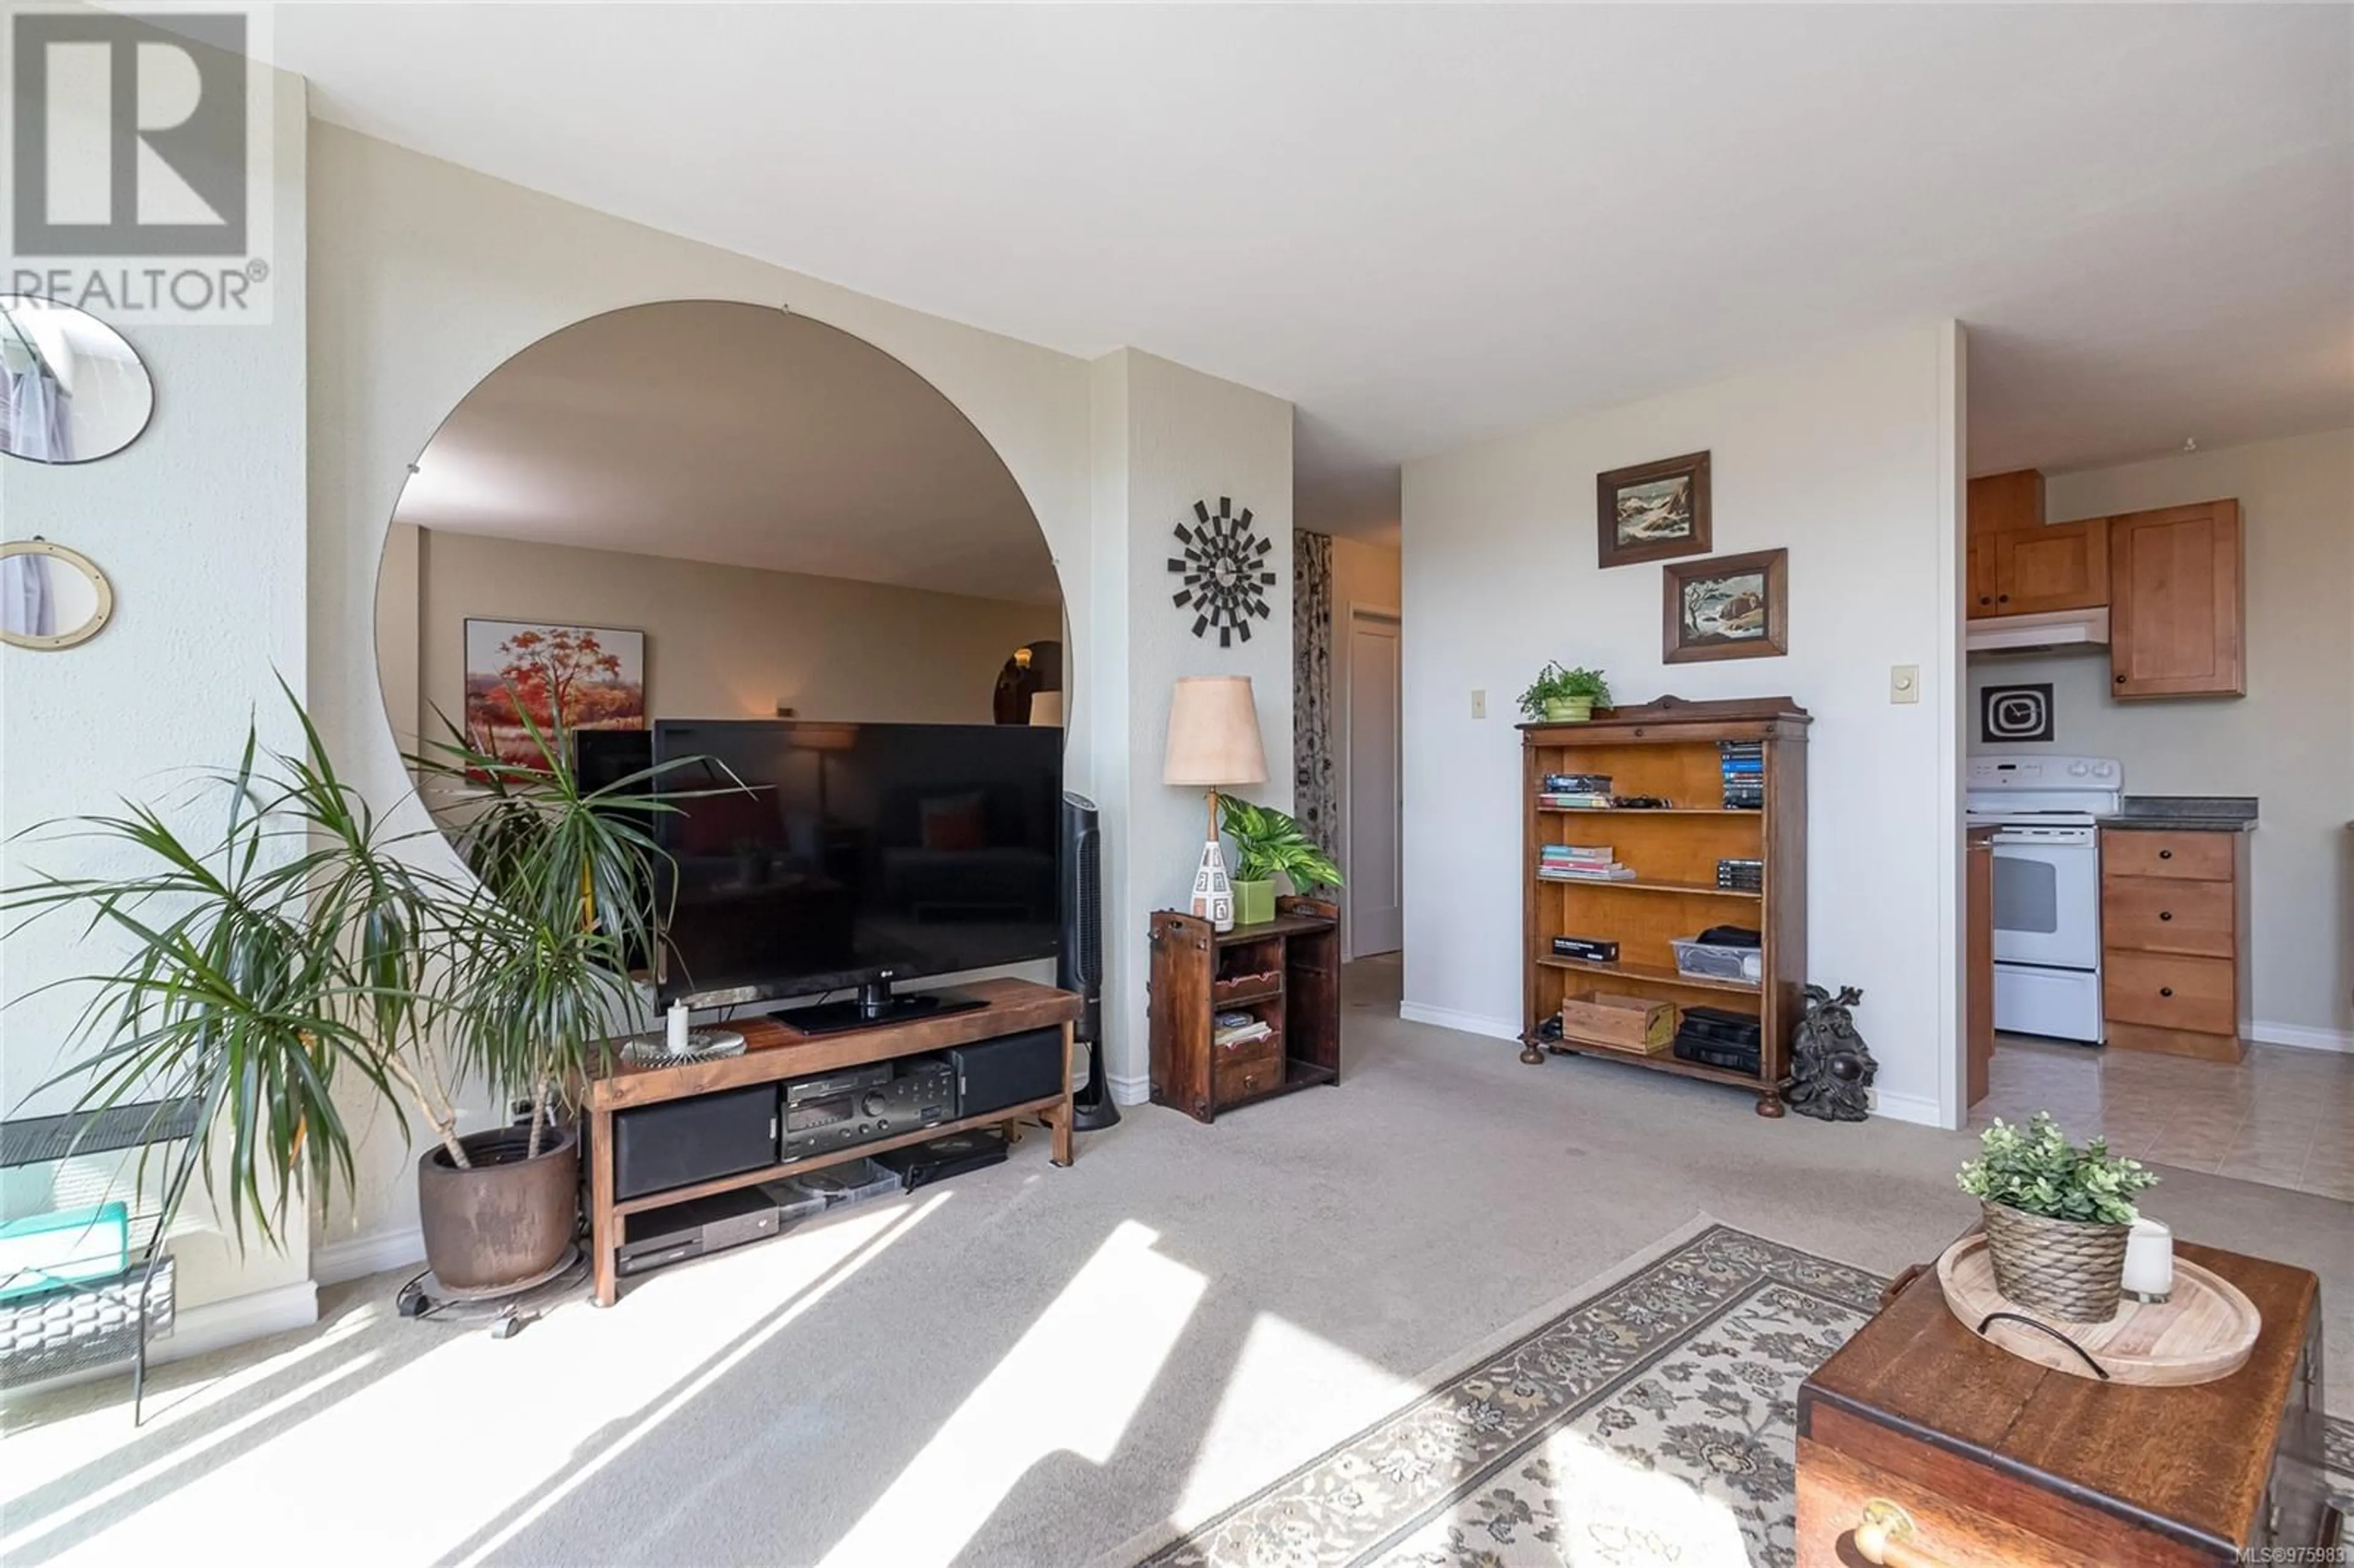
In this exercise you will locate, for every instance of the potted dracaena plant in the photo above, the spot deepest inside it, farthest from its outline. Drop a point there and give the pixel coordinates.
(1268, 843)
(1564, 696)
(302, 951)
(2057, 1216)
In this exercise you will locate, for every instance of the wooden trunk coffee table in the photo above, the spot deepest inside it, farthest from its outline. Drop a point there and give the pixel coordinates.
(1921, 1444)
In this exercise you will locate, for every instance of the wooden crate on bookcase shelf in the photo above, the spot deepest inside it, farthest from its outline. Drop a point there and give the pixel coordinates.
(1670, 748)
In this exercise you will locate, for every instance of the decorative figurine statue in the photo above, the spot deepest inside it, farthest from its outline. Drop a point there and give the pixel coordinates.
(1832, 1069)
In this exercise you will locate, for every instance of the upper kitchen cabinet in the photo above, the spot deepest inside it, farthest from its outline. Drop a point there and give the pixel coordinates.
(2000, 501)
(2060, 566)
(2177, 602)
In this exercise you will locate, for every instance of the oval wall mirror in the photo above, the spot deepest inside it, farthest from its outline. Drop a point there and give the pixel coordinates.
(71, 389)
(50, 597)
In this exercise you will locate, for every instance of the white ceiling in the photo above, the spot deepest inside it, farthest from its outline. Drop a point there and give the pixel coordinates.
(1426, 225)
(733, 433)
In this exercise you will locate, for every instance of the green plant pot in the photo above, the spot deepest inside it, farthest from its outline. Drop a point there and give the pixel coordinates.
(1254, 902)
(1568, 710)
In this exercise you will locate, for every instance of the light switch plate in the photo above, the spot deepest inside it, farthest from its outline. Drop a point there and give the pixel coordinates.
(1904, 684)
(1479, 704)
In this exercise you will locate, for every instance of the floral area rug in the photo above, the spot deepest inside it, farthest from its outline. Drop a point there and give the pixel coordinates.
(1651, 1422)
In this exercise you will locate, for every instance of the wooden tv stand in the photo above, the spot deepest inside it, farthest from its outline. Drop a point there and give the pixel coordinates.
(775, 1051)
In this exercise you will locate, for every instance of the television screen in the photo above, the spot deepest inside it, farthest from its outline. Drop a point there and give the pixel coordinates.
(853, 852)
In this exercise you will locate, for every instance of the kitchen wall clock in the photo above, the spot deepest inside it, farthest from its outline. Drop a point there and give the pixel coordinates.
(1224, 570)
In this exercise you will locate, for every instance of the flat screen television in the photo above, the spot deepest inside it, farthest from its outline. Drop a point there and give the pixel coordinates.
(854, 854)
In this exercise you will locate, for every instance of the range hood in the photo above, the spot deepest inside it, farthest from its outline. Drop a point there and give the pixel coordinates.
(2030, 634)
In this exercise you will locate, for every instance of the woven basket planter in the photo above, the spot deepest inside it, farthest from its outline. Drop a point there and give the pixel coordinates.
(2068, 1268)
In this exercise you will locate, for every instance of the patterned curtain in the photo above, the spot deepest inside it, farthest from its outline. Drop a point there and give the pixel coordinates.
(1312, 799)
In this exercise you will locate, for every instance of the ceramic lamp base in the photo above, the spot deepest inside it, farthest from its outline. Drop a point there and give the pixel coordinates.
(1213, 891)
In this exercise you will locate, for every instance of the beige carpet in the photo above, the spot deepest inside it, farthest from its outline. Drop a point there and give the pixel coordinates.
(1026, 1366)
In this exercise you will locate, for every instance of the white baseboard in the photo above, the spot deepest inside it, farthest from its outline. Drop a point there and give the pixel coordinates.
(2303, 1036)
(371, 1252)
(1129, 1091)
(1907, 1108)
(1467, 1022)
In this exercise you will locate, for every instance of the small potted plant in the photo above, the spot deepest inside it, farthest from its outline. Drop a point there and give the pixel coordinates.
(1564, 696)
(2056, 1218)
(1268, 843)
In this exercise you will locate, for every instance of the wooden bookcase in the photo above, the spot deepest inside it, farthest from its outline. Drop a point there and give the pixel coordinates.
(1668, 748)
(1287, 970)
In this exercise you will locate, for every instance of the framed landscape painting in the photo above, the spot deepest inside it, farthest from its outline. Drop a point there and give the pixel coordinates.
(1653, 510)
(1727, 607)
(592, 677)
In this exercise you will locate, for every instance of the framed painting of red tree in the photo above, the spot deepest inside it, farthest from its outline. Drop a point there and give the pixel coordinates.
(584, 677)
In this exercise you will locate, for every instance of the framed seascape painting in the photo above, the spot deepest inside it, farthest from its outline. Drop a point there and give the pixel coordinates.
(1653, 510)
(1727, 607)
(591, 677)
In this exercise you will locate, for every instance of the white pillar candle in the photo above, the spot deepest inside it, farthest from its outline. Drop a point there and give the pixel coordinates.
(679, 1019)
(2149, 1261)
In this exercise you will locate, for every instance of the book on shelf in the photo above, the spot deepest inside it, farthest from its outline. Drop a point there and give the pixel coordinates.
(1239, 1029)
(1578, 783)
(1569, 802)
(1610, 873)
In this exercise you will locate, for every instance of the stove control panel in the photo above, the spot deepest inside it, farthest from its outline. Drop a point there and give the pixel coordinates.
(1997, 771)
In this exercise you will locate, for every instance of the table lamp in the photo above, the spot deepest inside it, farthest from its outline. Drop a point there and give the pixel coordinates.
(1214, 742)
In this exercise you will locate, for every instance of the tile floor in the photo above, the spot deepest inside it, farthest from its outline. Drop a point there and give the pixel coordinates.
(2282, 1117)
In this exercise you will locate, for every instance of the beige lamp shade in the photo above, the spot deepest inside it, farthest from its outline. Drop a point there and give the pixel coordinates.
(1047, 709)
(1213, 734)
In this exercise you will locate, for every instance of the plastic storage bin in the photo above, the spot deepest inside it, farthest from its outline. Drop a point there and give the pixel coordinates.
(1715, 961)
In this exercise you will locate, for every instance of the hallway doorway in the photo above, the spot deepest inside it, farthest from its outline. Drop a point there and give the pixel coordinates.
(1373, 918)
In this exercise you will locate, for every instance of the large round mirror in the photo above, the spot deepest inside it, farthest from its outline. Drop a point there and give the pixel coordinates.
(722, 531)
(50, 597)
(71, 389)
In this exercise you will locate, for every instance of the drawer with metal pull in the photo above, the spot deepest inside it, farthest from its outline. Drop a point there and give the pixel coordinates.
(2164, 915)
(2204, 857)
(2169, 991)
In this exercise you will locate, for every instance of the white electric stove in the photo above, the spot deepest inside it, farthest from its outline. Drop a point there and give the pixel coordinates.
(2047, 885)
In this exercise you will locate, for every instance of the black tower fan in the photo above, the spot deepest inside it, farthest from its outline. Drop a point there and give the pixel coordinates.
(1079, 966)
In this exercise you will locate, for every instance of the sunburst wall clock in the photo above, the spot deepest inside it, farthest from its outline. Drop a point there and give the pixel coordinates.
(1226, 572)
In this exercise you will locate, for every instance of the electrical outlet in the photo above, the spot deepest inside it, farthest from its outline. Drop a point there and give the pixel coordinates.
(1904, 684)
(1479, 704)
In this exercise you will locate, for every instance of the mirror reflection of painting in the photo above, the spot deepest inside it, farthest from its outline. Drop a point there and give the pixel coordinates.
(1660, 509)
(567, 677)
(50, 597)
(71, 389)
(1730, 609)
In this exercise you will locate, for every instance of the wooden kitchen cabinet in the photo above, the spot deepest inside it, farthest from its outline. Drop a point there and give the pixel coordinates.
(1998, 501)
(2027, 571)
(2174, 941)
(2177, 602)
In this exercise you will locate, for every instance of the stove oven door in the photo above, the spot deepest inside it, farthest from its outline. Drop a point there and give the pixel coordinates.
(2047, 897)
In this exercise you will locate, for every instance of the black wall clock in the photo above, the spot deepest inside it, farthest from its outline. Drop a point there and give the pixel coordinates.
(1226, 572)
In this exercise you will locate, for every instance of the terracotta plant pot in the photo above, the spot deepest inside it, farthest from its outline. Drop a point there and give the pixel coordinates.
(2066, 1269)
(1568, 710)
(1254, 902)
(506, 1221)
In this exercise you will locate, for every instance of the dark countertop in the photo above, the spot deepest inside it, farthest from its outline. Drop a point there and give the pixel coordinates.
(2186, 813)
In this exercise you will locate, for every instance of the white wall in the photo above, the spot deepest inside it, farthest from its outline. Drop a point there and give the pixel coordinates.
(1168, 436)
(2289, 741)
(426, 277)
(1364, 576)
(199, 526)
(1850, 459)
(721, 641)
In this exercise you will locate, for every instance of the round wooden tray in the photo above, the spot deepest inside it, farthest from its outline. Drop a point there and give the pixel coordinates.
(2204, 1332)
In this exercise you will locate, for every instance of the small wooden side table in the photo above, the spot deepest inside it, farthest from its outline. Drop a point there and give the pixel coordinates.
(1918, 1434)
(1286, 972)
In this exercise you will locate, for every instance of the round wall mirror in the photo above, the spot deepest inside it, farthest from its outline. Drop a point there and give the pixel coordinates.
(704, 510)
(50, 597)
(71, 389)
